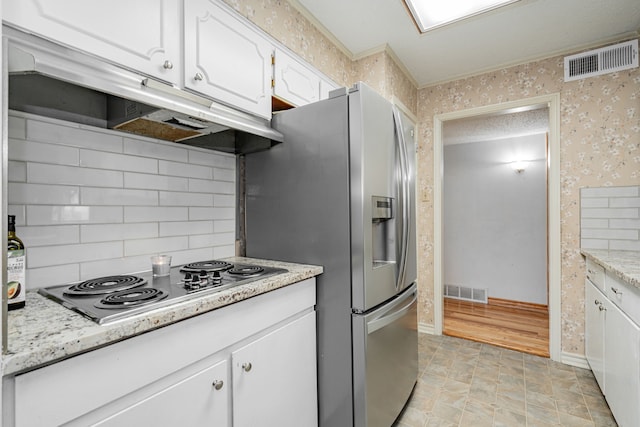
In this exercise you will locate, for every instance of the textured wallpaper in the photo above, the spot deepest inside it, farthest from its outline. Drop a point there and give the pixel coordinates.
(600, 146)
(600, 133)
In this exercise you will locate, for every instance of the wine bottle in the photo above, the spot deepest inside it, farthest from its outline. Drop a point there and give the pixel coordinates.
(16, 264)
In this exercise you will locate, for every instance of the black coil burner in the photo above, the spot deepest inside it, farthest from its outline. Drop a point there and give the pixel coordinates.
(131, 298)
(208, 266)
(246, 271)
(105, 285)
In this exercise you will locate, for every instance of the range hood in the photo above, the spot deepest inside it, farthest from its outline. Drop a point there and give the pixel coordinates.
(54, 81)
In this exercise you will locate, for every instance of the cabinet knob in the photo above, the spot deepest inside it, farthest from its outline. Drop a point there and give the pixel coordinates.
(198, 76)
(247, 366)
(596, 302)
(616, 291)
(168, 65)
(602, 308)
(217, 384)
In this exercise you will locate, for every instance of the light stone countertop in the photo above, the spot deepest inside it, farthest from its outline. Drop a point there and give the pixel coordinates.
(44, 331)
(624, 264)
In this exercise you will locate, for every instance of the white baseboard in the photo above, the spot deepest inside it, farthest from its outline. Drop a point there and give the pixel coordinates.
(425, 328)
(577, 360)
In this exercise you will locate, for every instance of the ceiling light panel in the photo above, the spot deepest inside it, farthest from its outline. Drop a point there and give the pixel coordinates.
(431, 14)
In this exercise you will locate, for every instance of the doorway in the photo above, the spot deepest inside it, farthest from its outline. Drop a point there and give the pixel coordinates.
(551, 103)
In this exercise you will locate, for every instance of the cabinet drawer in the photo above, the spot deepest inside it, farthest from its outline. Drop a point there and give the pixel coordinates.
(595, 273)
(624, 295)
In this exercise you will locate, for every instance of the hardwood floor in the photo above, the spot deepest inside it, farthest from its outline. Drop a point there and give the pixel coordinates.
(519, 328)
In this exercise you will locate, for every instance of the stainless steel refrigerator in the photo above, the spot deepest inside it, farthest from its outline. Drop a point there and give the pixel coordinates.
(339, 192)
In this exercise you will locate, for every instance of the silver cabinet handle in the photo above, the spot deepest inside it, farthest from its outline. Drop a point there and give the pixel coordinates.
(247, 366)
(218, 384)
(168, 65)
(616, 291)
(596, 302)
(198, 76)
(602, 308)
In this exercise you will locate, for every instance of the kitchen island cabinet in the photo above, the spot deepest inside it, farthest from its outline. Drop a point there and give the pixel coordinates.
(189, 370)
(612, 335)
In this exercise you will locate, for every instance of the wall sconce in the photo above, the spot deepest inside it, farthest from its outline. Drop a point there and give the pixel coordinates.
(519, 166)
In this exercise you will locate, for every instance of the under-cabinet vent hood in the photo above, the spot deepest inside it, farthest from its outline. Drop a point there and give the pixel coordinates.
(54, 81)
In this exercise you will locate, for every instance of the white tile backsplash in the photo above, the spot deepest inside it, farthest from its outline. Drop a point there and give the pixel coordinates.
(610, 218)
(91, 202)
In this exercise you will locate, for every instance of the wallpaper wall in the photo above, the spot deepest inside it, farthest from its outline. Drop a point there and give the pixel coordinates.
(600, 132)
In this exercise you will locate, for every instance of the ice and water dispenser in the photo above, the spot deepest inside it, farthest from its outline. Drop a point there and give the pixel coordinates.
(384, 231)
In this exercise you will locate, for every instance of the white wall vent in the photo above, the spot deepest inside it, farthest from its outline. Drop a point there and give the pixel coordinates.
(618, 57)
(466, 293)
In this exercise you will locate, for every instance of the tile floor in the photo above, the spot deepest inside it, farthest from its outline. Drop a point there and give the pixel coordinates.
(465, 383)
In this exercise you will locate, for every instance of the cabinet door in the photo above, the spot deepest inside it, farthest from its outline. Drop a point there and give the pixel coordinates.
(325, 88)
(199, 400)
(622, 366)
(274, 378)
(143, 35)
(594, 331)
(225, 58)
(293, 81)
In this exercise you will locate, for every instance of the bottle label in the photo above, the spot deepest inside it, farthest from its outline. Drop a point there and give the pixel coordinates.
(16, 276)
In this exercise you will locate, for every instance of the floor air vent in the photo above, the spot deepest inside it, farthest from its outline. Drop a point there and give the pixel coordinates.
(621, 56)
(466, 293)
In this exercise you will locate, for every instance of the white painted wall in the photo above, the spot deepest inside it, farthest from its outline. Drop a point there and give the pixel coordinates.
(92, 202)
(495, 229)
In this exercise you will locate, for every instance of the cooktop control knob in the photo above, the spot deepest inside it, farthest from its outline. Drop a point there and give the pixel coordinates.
(216, 279)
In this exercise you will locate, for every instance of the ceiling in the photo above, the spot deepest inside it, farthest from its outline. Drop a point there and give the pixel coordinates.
(520, 32)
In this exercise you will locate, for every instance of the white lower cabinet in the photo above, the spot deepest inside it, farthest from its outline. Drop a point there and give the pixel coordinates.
(612, 348)
(247, 364)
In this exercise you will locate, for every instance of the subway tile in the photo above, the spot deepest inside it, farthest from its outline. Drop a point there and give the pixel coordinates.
(118, 196)
(28, 151)
(213, 159)
(224, 251)
(17, 171)
(17, 126)
(610, 234)
(624, 245)
(224, 200)
(67, 254)
(610, 213)
(625, 223)
(180, 228)
(192, 255)
(56, 215)
(155, 182)
(56, 174)
(594, 244)
(596, 202)
(206, 186)
(200, 214)
(157, 245)
(624, 202)
(155, 149)
(20, 212)
(217, 239)
(184, 170)
(185, 199)
(224, 175)
(40, 194)
(225, 225)
(120, 265)
(116, 161)
(52, 276)
(50, 235)
(69, 134)
(148, 214)
(594, 223)
(110, 232)
(630, 191)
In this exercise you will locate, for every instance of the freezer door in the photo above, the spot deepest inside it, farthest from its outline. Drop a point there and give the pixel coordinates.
(385, 366)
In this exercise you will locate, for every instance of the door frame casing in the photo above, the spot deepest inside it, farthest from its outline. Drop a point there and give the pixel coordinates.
(553, 210)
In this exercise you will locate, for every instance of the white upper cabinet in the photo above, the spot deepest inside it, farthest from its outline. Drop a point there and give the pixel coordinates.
(225, 58)
(142, 35)
(294, 82)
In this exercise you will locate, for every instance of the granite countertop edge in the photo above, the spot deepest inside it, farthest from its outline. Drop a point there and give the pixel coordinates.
(45, 332)
(624, 264)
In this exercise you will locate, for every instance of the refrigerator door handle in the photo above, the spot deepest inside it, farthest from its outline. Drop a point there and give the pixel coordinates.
(391, 317)
(405, 202)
